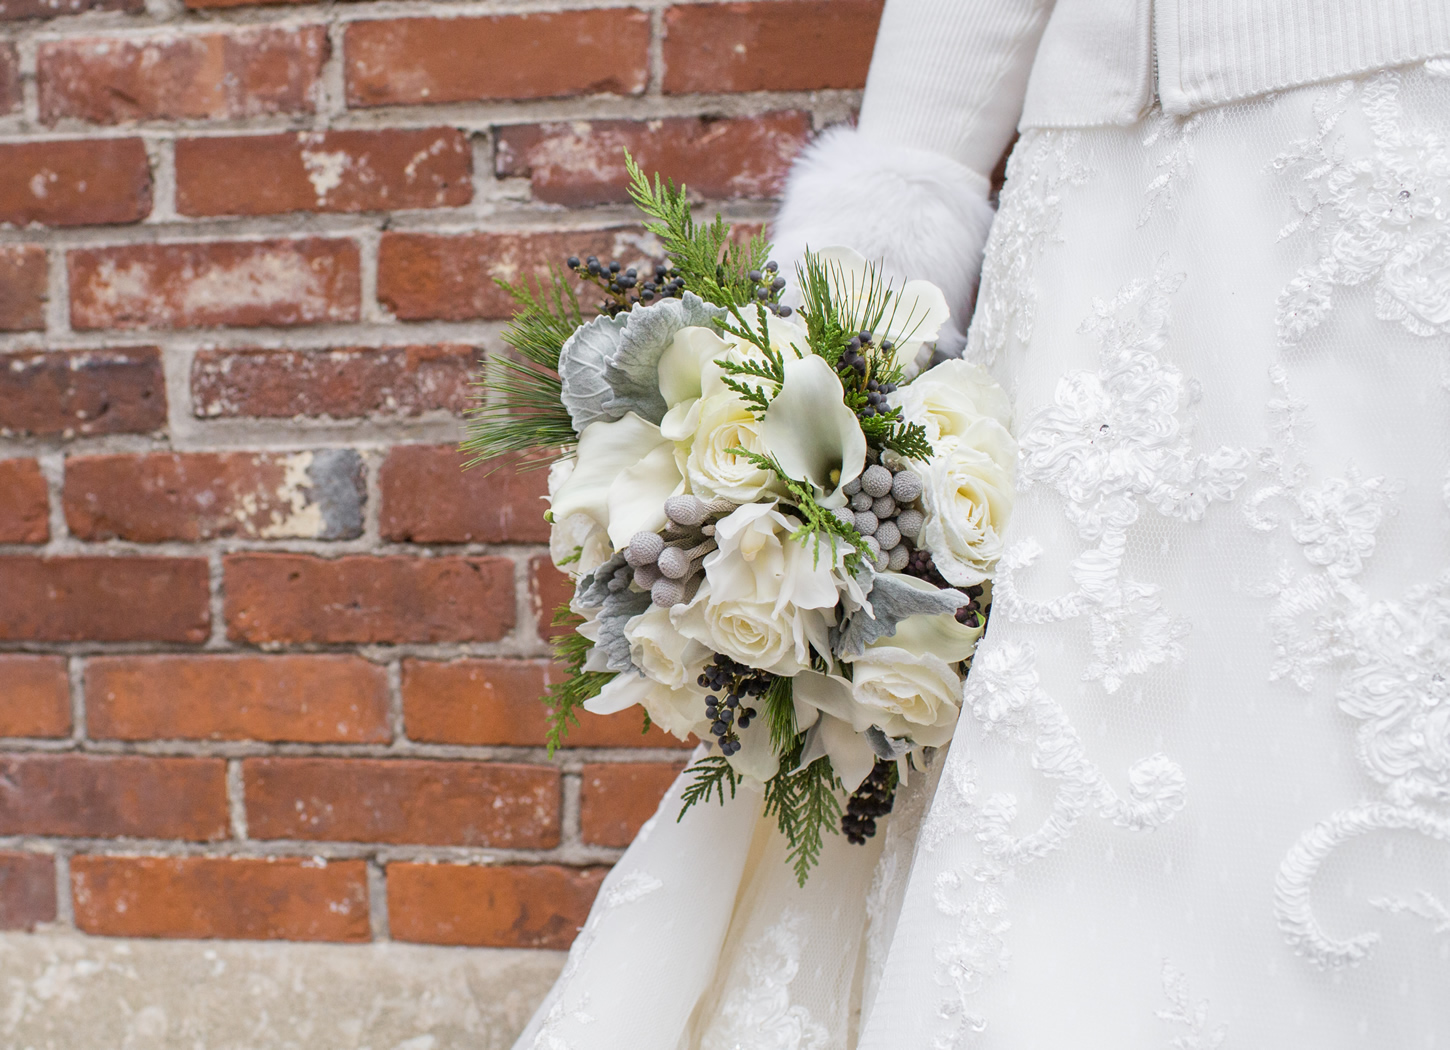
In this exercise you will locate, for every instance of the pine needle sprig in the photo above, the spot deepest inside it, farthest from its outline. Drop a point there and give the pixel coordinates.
(713, 776)
(517, 404)
(715, 267)
(567, 695)
(778, 706)
(806, 804)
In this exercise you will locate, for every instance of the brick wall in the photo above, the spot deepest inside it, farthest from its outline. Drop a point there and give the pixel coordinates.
(269, 663)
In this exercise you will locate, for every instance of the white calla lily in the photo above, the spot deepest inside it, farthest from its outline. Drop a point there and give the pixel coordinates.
(683, 363)
(809, 430)
(625, 471)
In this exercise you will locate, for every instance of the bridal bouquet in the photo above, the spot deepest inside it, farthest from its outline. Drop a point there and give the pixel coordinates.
(781, 534)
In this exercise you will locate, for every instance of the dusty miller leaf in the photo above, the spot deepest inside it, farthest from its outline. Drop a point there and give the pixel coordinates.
(582, 363)
(893, 600)
(632, 371)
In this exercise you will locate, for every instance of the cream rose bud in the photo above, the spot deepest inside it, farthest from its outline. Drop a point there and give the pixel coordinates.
(724, 422)
(916, 695)
(661, 651)
(950, 398)
(967, 494)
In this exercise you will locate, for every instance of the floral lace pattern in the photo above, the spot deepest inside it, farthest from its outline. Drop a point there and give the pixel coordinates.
(1113, 444)
(1176, 134)
(1378, 215)
(1188, 1018)
(1040, 167)
(757, 1014)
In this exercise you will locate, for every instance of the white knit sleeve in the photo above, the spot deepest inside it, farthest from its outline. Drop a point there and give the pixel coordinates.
(908, 185)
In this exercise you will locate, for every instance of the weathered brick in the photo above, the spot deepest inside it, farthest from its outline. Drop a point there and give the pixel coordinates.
(27, 890)
(508, 906)
(11, 10)
(82, 393)
(499, 702)
(452, 277)
(403, 801)
(340, 384)
(191, 496)
(320, 699)
(362, 599)
(344, 171)
(616, 798)
(113, 796)
(237, 898)
(427, 497)
(548, 589)
(412, 60)
(24, 504)
(789, 45)
(34, 697)
(78, 182)
(275, 282)
(10, 93)
(23, 287)
(246, 72)
(577, 163)
(98, 599)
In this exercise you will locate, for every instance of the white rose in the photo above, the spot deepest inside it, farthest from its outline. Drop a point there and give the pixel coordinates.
(911, 694)
(967, 496)
(721, 422)
(679, 712)
(950, 398)
(658, 649)
(577, 543)
(759, 560)
(753, 632)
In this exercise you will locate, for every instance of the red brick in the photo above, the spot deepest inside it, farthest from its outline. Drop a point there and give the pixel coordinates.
(340, 384)
(427, 497)
(247, 72)
(616, 798)
(11, 10)
(509, 906)
(82, 393)
(500, 702)
(27, 890)
(237, 898)
(99, 599)
(789, 45)
(113, 796)
(361, 599)
(548, 589)
(10, 94)
(193, 496)
(309, 699)
(403, 801)
(24, 503)
(577, 163)
(412, 60)
(80, 182)
(345, 171)
(276, 282)
(34, 697)
(23, 287)
(452, 277)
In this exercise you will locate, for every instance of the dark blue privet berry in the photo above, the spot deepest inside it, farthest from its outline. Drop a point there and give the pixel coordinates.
(719, 728)
(754, 276)
(786, 311)
(573, 262)
(631, 272)
(592, 265)
(744, 722)
(865, 337)
(614, 267)
(778, 284)
(887, 344)
(772, 266)
(762, 294)
(732, 701)
(855, 343)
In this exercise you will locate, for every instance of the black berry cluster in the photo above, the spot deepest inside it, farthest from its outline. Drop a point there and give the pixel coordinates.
(873, 799)
(624, 285)
(853, 367)
(768, 286)
(738, 684)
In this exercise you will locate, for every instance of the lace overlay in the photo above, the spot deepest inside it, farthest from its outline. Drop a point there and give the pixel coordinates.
(758, 1013)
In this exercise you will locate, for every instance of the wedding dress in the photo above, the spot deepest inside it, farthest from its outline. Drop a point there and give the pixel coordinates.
(1199, 796)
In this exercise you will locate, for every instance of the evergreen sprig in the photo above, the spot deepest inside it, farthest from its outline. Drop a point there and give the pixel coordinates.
(715, 267)
(806, 804)
(816, 519)
(778, 707)
(771, 370)
(713, 775)
(518, 405)
(567, 695)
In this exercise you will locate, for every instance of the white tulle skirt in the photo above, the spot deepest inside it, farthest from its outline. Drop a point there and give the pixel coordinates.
(1199, 795)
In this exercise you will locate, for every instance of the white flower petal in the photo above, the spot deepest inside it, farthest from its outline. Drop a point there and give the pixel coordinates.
(811, 432)
(683, 363)
(620, 692)
(637, 497)
(606, 450)
(851, 756)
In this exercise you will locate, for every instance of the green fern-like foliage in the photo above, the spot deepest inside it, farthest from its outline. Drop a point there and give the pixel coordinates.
(715, 267)
(806, 805)
(713, 776)
(518, 405)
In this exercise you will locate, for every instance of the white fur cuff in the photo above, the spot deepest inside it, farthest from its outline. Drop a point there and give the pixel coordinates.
(920, 214)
